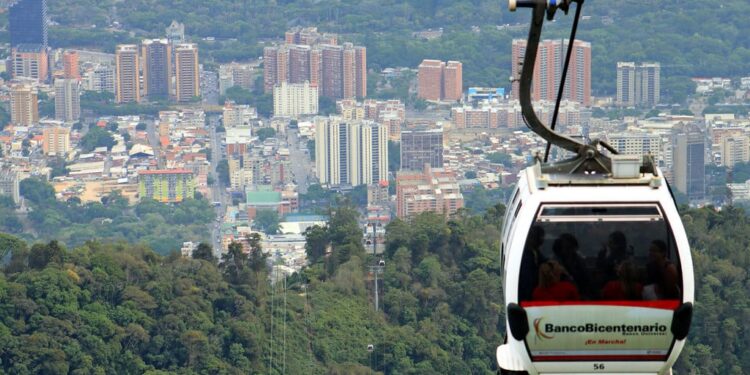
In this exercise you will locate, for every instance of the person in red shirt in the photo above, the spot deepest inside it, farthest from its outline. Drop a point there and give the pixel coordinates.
(626, 287)
(552, 287)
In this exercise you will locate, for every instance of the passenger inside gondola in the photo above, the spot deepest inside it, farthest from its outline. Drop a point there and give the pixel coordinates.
(553, 286)
(662, 275)
(602, 253)
(532, 259)
(566, 252)
(626, 287)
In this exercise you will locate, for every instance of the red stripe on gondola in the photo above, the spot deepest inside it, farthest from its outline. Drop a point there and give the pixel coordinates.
(587, 358)
(663, 304)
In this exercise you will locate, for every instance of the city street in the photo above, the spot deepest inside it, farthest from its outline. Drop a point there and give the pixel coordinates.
(302, 166)
(218, 190)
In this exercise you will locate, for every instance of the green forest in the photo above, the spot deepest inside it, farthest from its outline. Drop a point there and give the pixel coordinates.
(702, 39)
(113, 307)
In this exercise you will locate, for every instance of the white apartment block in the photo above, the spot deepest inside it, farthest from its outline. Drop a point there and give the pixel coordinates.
(293, 100)
(350, 152)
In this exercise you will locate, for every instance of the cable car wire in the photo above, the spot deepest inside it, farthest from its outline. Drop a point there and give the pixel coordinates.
(564, 78)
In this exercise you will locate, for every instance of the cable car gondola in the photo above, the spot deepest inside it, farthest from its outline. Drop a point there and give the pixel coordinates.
(597, 271)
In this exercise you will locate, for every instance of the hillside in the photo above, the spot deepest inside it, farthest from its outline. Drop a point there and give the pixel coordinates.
(699, 39)
(119, 308)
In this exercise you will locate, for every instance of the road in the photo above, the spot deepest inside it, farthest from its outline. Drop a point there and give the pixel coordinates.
(153, 139)
(210, 87)
(218, 190)
(301, 165)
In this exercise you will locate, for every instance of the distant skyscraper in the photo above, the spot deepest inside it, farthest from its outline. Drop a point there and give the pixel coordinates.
(689, 167)
(625, 84)
(128, 74)
(24, 105)
(351, 153)
(339, 71)
(30, 61)
(638, 85)
(430, 80)
(187, 76)
(67, 100)
(453, 81)
(28, 22)
(70, 65)
(437, 80)
(420, 148)
(157, 67)
(548, 70)
(648, 84)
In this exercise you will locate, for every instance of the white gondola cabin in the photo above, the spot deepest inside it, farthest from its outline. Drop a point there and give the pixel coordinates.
(597, 275)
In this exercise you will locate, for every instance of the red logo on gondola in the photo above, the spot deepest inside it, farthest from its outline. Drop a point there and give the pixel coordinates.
(539, 334)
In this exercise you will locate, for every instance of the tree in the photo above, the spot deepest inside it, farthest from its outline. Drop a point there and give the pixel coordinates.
(37, 191)
(267, 221)
(42, 255)
(223, 170)
(265, 133)
(96, 137)
(326, 106)
(204, 251)
(316, 242)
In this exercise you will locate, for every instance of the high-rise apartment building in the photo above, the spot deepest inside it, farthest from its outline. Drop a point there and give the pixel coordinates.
(128, 82)
(625, 84)
(70, 65)
(689, 167)
(67, 100)
(56, 141)
(430, 80)
(432, 190)
(350, 153)
(187, 77)
(420, 148)
(157, 67)
(648, 84)
(735, 149)
(295, 99)
(100, 79)
(640, 143)
(438, 80)
(638, 85)
(453, 81)
(30, 61)
(167, 186)
(339, 71)
(548, 70)
(24, 105)
(28, 22)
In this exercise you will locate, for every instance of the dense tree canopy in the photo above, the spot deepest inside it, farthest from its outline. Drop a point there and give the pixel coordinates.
(118, 308)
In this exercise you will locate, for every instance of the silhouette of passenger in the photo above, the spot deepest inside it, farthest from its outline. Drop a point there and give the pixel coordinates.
(626, 287)
(662, 276)
(528, 277)
(614, 253)
(552, 286)
(566, 252)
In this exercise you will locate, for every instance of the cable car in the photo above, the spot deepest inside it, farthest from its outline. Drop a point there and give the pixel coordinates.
(597, 271)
